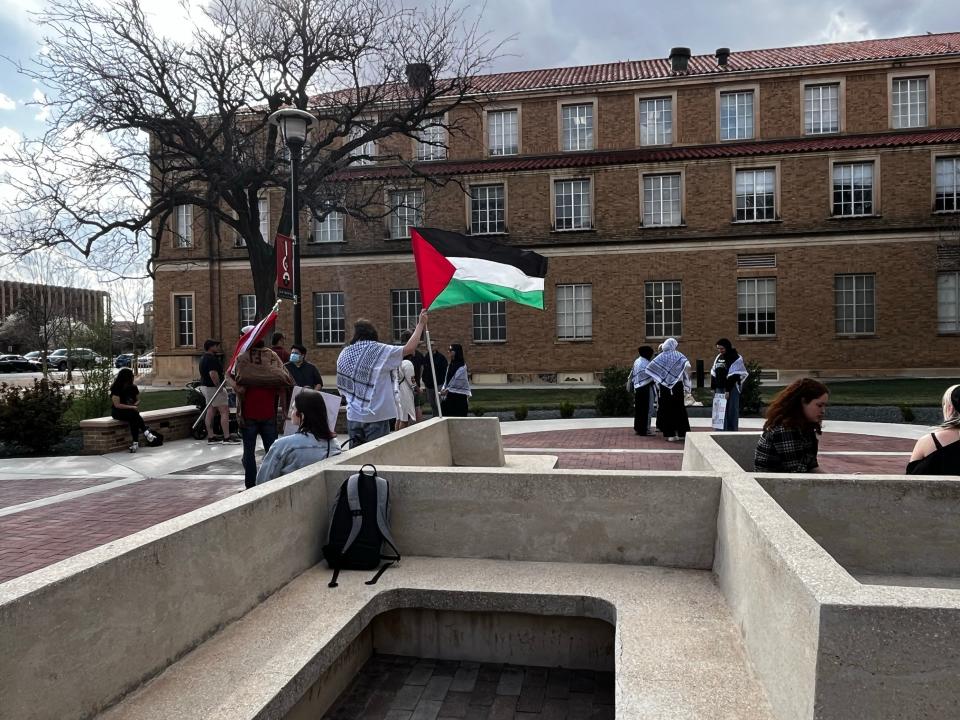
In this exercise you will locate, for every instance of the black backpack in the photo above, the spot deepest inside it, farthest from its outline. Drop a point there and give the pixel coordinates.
(359, 525)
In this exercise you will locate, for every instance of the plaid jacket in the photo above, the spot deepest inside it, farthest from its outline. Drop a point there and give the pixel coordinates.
(786, 450)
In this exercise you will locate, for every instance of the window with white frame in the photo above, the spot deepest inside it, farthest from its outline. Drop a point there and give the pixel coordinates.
(577, 126)
(248, 310)
(503, 136)
(363, 153)
(183, 313)
(406, 212)
(656, 121)
(852, 189)
(855, 303)
(757, 306)
(328, 318)
(263, 209)
(574, 312)
(756, 195)
(662, 308)
(909, 102)
(736, 115)
(405, 311)
(487, 209)
(948, 302)
(183, 225)
(947, 192)
(432, 142)
(661, 200)
(572, 204)
(490, 321)
(328, 230)
(821, 109)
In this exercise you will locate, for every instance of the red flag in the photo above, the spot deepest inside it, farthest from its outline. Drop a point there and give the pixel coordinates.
(285, 280)
(250, 338)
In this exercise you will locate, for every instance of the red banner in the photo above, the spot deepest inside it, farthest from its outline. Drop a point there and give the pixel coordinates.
(285, 280)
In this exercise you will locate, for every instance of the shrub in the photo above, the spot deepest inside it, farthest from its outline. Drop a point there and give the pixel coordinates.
(93, 400)
(567, 409)
(520, 412)
(750, 401)
(614, 400)
(478, 410)
(907, 413)
(33, 417)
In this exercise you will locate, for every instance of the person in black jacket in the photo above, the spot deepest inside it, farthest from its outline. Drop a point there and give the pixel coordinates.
(440, 364)
(727, 376)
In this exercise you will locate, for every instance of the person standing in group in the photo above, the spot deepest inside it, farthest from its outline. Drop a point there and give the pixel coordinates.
(440, 365)
(668, 370)
(276, 344)
(211, 376)
(727, 376)
(794, 420)
(367, 377)
(642, 396)
(259, 378)
(312, 442)
(305, 374)
(406, 392)
(455, 392)
(125, 406)
(939, 452)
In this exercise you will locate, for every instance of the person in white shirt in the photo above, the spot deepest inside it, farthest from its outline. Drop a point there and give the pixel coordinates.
(642, 392)
(367, 376)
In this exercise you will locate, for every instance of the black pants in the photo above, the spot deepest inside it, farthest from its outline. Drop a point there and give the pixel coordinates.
(672, 417)
(641, 409)
(132, 418)
(455, 405)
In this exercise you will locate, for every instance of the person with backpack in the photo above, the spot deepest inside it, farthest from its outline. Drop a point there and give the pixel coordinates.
(314, 440)
(125, 406)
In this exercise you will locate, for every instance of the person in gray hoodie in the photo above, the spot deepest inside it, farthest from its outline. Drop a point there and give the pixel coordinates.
(314, 440)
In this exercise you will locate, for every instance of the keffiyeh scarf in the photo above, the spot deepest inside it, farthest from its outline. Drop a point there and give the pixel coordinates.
(358, 368)
(667, 367)
(459, 383)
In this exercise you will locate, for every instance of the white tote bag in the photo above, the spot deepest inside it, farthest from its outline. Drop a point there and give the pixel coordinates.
(719, 410)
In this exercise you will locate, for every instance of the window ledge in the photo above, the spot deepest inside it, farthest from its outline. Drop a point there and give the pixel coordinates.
(947, 212)
(736, 140)
(756, 337)
(655, 147)
(565, 341)
(841, 218)
(661, 227)
(329, 345)
(489, 234)
(772, 221)
(325, 242)
(573, 230)
(574, 152)
(857, 336)
(835, 133)
(661, 338)
(489, 342)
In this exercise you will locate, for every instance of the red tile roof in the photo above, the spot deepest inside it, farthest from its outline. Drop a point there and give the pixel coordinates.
(917, 46)
(647, 155)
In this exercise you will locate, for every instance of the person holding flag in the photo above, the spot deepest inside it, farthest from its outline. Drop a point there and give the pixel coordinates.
(258, 377)
(367, 377)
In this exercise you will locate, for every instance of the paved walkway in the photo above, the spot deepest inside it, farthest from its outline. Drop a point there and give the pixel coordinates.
(54, 508)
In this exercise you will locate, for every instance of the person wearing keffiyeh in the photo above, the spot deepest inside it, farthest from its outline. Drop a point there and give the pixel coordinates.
(367, 374)
(667, 370)
(727, 376)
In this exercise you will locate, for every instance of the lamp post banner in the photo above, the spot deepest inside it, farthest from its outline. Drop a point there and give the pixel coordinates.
(285, 279)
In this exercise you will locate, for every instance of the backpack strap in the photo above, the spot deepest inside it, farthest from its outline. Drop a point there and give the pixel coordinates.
(383, 514)
(353, 502)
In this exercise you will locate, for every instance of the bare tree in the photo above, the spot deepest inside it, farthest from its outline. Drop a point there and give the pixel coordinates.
(128, 308)
(142, 124)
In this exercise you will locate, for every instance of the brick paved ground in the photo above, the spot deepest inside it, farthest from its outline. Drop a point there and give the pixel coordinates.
(15, 491)
(391, 687)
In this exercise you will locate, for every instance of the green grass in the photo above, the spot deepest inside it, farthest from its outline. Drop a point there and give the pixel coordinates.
(894, 391)
(162, 399)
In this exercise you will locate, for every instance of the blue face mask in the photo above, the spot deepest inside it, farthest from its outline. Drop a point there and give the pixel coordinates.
(295, 357)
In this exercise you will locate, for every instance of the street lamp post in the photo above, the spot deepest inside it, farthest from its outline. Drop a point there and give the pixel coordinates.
(293, 125)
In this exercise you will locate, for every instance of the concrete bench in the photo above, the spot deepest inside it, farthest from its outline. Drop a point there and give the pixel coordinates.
(677, 650)
(105, 435)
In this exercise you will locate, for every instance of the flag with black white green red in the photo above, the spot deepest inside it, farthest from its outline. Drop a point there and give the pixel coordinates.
(455, 269)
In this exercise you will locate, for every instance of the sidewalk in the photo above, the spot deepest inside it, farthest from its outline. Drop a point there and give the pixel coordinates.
(54, 508)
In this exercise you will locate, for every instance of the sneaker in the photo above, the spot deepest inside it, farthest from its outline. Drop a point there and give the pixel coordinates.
(149, 436)
(133, 448)
(215, 439)
(675, 438)
(234, 439)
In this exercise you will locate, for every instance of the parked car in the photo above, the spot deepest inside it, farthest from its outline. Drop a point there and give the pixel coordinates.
(16, 363)
(62, 359)
(123, 360)
(34, 355)
(145, 362)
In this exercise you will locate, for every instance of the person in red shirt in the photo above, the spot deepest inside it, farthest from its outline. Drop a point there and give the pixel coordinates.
(276, 344)
(259, 379)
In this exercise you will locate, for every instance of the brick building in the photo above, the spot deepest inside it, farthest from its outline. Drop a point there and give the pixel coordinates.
(801, 201)
(90, 307)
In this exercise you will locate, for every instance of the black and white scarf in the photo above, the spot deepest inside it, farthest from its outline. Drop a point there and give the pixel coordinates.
(358, 368)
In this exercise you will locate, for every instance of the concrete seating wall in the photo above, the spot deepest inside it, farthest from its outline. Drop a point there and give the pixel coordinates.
(106, 435)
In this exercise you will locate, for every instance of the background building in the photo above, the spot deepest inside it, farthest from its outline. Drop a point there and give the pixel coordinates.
(800, 201)
(65, 312)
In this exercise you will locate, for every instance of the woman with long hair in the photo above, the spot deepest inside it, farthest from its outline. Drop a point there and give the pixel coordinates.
(669, 371)
(125, 407)
(455, 393)
(791, 430)
(312, 442)
(727, 376)
(939, 452)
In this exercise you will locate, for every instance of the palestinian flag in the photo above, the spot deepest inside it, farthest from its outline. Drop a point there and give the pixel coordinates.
(454, 269)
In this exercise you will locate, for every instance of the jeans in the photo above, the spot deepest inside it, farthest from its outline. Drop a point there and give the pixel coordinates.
(731, 419)
(267, 430)
(361, 433)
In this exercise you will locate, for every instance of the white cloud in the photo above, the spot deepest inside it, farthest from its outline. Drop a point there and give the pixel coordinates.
(7, 103)
(44, 113)
(842, 27)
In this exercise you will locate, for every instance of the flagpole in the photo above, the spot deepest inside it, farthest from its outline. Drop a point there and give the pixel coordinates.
(433, 372)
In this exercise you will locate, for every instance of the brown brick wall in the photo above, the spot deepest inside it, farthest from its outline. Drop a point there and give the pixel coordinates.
(781, 108)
